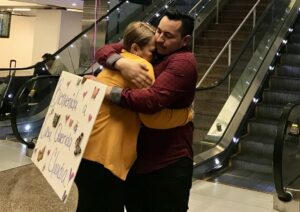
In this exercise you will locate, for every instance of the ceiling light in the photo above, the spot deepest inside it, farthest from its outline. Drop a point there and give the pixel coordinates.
(235, 140)
(74, 4)
(21, 9)
(74, 10)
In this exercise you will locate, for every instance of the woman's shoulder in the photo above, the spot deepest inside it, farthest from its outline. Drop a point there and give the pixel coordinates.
(138, 59)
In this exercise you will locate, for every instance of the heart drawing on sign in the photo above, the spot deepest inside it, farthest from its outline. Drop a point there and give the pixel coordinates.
(71, 122)
(67, 117)
(84, 94)
(71, 175)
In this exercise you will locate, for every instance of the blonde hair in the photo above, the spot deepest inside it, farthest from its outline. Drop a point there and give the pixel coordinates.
(138, 32)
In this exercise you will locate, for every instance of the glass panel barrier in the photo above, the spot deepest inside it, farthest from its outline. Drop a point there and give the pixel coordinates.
(79, 55)
(131, 12)
(10, 82)
(127, 13)
(31, 105)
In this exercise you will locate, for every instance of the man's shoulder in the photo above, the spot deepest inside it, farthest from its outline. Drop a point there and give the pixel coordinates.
(182, 63)
(188, 55)
(183, 57)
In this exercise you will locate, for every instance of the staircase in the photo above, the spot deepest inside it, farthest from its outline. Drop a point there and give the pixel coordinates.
(252, 167)
(207, 46)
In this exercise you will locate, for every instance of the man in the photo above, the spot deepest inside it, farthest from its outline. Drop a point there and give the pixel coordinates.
(41, 68)
(53, 66)
(160, 179)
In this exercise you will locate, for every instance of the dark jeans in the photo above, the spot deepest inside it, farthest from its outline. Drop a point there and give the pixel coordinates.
(99, 190)
(164, 190)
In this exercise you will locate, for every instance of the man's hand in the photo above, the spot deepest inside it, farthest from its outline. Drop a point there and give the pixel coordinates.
(135, 72)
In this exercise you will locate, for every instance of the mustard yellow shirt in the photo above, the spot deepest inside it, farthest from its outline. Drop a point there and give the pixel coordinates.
(114, 136)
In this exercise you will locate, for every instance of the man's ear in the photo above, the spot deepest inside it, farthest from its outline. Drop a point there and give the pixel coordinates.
(186, 40)
(134, 49)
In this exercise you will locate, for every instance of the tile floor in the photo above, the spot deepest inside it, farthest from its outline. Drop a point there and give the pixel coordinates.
(205, 196)
(12, 154)
(214, 197)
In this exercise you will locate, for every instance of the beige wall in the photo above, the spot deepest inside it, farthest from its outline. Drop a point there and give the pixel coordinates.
(53, 29)
(31, 37)
(70, 27)
(20, 43)
(46, 33)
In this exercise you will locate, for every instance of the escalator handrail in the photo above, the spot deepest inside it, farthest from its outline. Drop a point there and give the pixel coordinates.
(194, 7)
(147, 19)
(278, 154)
(13, 119)
(227, 44)
(75, 38)
(230, 69)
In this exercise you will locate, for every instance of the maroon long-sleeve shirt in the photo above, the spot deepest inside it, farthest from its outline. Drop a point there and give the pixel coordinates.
(174, 87)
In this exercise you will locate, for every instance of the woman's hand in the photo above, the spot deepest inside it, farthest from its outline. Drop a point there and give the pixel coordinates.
(90, 77)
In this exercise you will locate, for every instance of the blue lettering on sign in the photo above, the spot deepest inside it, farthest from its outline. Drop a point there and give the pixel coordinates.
(57, 169)
(62, 138)
(62, 99)
(46, 134)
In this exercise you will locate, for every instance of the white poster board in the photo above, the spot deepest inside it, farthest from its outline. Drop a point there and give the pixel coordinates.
(66, 129)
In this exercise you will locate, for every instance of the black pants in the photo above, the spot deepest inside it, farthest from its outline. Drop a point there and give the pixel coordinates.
(165, 190)
(99, 190)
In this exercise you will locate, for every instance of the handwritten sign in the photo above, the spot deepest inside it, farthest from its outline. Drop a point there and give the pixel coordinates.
(66, 129)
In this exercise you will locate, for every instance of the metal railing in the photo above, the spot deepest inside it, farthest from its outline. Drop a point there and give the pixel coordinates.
(229, 44)
(251, 38)
(195, 11)
(195, 7)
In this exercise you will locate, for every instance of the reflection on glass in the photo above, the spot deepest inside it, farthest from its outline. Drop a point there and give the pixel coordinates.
(32, 106)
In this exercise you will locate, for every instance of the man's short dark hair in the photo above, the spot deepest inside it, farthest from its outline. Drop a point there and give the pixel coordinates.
(187, 21)
(48, 56)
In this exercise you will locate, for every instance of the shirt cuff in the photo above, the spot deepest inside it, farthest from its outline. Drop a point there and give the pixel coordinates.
(115, 95)
(110, 62)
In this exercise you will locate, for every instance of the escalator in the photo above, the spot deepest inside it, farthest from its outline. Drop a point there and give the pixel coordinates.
(245, 158)
(254, 160)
